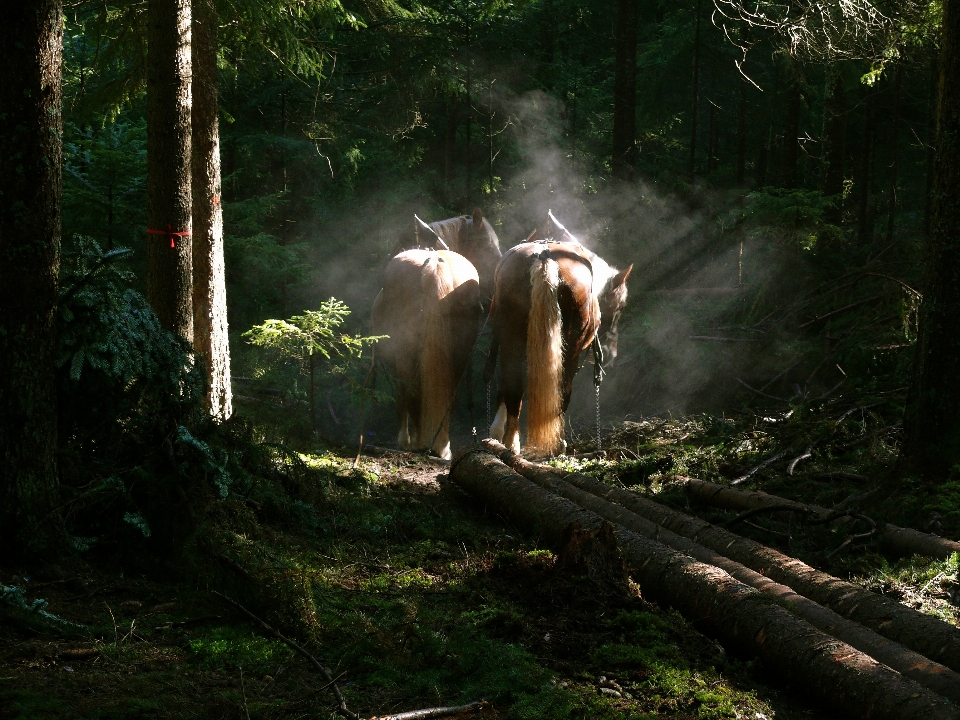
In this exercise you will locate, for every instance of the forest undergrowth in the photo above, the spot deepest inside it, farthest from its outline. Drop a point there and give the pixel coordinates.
(416, 596)
(410, 591)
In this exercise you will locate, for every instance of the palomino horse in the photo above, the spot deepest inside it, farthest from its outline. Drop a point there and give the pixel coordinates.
(470, 235)
(430, 309)
(553, 299)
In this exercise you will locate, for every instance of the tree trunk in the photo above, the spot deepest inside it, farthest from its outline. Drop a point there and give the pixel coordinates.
(931, 675)
(468, 101)
(548, 30)
(791, 136)
(904, 540)
(169, 255)
(763, 160)
(834, 142)
(712, 138)
(864, 224)
(696, 94)
(209, 282)
(850, 681)
(625, 90)
(31, 54)
(450, 147)
(741, 138)
(931, 153)
(931, 426)
(895, 144)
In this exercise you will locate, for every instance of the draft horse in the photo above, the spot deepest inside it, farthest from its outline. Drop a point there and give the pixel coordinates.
(470, 235)
(431, 310)
(553, 299)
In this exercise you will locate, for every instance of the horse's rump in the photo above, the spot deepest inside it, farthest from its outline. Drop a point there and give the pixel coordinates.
(544, 357)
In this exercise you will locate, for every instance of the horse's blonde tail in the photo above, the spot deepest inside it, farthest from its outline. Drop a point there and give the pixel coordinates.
(544, 358)
(436, 376)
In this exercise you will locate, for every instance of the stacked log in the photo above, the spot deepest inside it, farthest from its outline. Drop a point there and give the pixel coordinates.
(723, 606)
(905, 540)
(928, 673)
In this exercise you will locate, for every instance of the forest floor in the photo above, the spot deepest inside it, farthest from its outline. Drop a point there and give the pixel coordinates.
(416, 596)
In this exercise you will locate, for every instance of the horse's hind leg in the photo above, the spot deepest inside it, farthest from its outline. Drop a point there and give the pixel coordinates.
(511, 365)
(403, 413)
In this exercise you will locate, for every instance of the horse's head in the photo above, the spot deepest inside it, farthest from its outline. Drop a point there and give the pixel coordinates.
(612, 300)
(479, 244)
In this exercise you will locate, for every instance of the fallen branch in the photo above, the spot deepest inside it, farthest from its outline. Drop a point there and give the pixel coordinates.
(909, 663)
(768, 461)
(808, 453)
(848, 679)
(761, 393)
(437, 712)
(826, 316)
(325, 672)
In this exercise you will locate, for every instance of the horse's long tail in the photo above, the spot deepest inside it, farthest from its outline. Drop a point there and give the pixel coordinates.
(544, 358)
(436, 373)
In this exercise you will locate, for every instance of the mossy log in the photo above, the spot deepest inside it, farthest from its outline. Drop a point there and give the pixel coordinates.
(845, 678)
(905, 540)
(928, 673)
(927, 635)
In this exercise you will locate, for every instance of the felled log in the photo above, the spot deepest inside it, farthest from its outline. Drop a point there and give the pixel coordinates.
(846, 678)
(927, 635)
(932, 675)
(903, 539)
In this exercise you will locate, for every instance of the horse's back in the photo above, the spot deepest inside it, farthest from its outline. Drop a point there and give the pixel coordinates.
(408, 278)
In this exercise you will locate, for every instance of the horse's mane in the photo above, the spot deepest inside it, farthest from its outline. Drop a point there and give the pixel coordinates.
(602, 272)
(449, 230)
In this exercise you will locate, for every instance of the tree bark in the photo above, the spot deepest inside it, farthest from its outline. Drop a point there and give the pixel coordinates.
(31, 54)
(169, 256)
(625, 90)
(450, 147)
(791, 135)
(210, 336)
(864, 224)
(931, 426)
(696, 94)
(834, 142)
(905, 540)
(931, 675)
(849, 680)
(895, 145)
(741, 138)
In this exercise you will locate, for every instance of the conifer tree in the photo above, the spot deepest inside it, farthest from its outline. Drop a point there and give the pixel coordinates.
(31, 54)
(169, 251)
(209, 282)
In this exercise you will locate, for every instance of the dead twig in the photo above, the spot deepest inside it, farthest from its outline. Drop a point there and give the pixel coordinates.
(826, 316)
(709, 338)
(436, 712)
(768, 461)
(761, 393)
(860, 536)
(808, 453)
(763, 510)
(324, 671)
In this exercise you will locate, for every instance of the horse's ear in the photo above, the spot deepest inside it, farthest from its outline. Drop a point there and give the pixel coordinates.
(477, 216)
(621, 278)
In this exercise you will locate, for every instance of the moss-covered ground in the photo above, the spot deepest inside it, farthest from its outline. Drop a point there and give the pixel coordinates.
(412, 593)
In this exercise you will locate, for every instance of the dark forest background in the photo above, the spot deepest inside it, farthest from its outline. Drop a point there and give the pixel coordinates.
(751, 189)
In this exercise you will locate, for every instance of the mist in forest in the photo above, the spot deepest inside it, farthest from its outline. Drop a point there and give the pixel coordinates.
(684, 283)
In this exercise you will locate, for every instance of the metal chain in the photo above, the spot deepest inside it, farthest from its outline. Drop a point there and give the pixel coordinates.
(489, 383)
(598, 416)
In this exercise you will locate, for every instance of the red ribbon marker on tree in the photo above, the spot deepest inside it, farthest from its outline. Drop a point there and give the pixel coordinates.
(170, 233)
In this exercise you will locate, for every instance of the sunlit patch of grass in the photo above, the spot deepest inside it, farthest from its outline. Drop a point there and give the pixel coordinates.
(230, 647)
(929, 586)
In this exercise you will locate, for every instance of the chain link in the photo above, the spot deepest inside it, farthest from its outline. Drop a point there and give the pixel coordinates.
(598, 416)
(489, 383)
